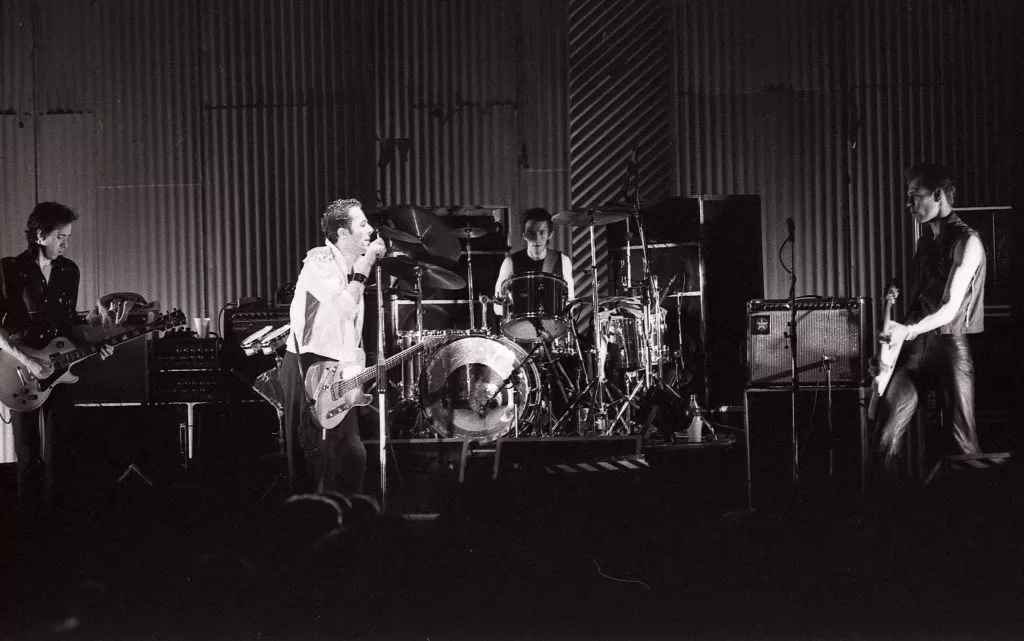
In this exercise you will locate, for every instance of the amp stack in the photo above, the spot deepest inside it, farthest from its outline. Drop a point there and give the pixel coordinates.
(185, 369)
(824, 445)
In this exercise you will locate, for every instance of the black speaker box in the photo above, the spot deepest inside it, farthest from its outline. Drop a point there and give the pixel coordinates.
(104, 440)
(237, 443)
(843, 448)
(832, 332)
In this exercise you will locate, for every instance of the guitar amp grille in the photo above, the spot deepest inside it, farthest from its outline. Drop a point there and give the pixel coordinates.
(832, 332)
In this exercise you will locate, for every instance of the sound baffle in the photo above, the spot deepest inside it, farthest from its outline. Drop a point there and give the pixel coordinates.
(769, 446)
(836, 328)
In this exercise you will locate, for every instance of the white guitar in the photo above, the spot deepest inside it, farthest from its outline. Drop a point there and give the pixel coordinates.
(889, 346)
(336, 387)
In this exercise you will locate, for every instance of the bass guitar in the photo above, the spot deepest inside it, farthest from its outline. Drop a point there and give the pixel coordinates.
(23, 392)
(336, 388)
(889, 346)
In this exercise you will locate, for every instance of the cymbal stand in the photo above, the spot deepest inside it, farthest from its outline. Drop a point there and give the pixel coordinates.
(598, 416)
(649, 300)
(469, 283)
(382, 393)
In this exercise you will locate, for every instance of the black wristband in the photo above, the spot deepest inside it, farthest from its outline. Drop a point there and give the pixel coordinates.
(359, 277)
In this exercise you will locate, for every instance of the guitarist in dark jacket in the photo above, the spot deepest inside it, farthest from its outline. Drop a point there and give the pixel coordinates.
(945, 304)
(38, 294)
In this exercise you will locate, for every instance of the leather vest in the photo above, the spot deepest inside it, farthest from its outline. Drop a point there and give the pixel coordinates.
(934, 261)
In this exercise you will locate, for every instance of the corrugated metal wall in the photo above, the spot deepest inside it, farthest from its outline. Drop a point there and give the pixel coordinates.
(820, 118)
(447, 121)
(287, 126)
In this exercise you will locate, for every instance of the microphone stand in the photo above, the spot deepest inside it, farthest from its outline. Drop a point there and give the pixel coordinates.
(794, 372)
(382, 393)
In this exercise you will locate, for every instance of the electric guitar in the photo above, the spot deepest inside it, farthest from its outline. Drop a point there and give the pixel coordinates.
(889, 346)
(23, 392)
(336, 387)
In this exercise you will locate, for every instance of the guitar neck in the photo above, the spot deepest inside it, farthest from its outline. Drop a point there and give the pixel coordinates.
(67, 359)
(370, 373)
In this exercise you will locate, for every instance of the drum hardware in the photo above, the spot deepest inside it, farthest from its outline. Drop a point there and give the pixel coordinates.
(468, 234)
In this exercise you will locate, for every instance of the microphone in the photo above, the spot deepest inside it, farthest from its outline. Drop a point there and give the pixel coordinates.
(543, 333)
(790, 227)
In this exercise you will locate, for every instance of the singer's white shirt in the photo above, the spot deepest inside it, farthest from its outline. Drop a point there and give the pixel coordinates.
(325, 318)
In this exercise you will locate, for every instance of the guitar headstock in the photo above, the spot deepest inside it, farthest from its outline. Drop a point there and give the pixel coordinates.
(892, 294)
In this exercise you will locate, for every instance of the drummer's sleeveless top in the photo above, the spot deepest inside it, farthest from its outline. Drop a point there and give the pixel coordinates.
(522, 263)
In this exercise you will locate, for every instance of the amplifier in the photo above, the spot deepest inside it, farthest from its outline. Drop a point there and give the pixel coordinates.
(833, 333)
(242, 322)
(177, 351)
(186, 386)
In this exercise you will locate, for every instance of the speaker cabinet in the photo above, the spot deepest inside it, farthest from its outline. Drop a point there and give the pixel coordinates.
(833, 338)
(830, 453)
(237, 444)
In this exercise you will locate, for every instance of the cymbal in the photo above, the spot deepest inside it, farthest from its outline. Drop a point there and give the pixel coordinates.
(468, 232)
(619, 301)
(584, 217)
(436, 237)
(396, 234)
(432, 275)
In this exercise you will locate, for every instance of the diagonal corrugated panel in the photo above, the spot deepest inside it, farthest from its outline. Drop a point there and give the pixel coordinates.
(618, 99)
(447, 123)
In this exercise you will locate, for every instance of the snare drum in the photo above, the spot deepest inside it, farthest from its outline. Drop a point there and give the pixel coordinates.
(460, 388)
(534, 297)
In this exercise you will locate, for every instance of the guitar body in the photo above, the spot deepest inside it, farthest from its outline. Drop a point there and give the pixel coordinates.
(889, 345)
(21, 391)
(335, 388)
(323, 380)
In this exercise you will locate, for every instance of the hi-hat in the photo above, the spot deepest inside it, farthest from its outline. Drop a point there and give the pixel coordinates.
(437, 238)
(468, 232)
(432, 275)
(586, 216)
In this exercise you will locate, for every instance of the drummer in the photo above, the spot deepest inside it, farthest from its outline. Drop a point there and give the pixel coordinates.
(537, 257)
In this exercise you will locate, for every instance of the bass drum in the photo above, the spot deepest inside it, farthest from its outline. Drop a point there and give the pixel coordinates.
(461, 394)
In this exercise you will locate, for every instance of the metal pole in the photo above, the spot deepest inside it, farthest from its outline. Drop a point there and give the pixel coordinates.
(382, 389)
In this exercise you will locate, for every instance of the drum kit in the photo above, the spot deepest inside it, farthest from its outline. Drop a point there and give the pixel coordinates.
(536, 375)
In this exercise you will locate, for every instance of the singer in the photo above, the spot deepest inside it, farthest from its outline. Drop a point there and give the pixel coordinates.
(326, 318)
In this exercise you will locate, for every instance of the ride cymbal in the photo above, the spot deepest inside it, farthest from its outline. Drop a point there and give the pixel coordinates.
(586, 216)
(432, 275)
(437, 238)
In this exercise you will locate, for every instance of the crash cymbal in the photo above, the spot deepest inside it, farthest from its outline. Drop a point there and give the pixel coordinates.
(437, 238)
(393, 234)
(468, 232)
(584, 217)
(432, 275)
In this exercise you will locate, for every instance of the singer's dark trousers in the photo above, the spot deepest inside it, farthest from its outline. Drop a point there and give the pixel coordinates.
(332, 463)
(938, 361)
